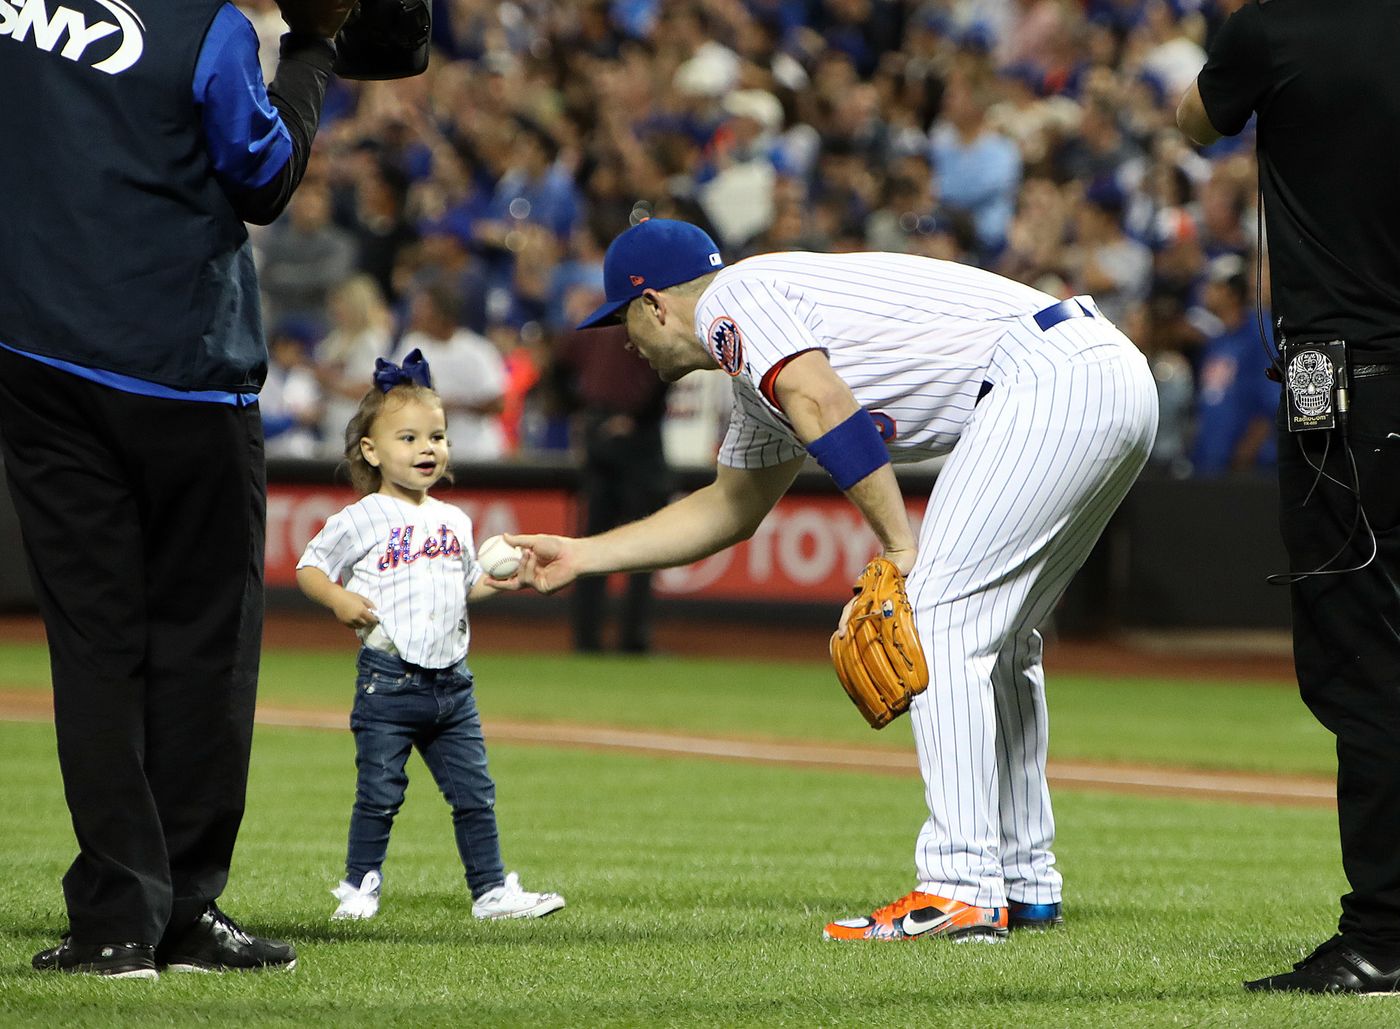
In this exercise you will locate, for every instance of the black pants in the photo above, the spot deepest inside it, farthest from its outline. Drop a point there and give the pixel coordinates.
(624, 479)
(1346, 644)
(143, 522)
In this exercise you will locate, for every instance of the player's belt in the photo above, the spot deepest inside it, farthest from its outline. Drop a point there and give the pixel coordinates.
(1051, 316)
(1373, 371)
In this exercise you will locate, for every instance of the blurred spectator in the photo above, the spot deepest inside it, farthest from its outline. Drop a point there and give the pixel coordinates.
(523, 356)
(1104, 261)
(908, 202)
(1175, 54)
(989, 131)
(1037, 124)
(945, 237)
(860, 29)
(1039, 233)
(1036, 28)
(441, 257)
(979, 169)
(1237, 404)
(1100, 149)
(737, 179)
(304, 257)
(380, 224)
(1225, 201)
(468, 373)
(361, 331)
(697, 414)
(290, 400)
(533, 189)
(847, 193)
(1162, 206)
(538, 252)
(1150, 327)
(618, 403)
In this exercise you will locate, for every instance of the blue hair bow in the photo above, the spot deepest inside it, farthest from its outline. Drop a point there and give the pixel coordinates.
(414, 372)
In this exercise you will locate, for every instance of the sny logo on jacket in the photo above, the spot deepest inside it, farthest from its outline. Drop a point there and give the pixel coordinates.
(29, 21)
(400, 549)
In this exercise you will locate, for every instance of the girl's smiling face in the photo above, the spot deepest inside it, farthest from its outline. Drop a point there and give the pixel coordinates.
(408, 444)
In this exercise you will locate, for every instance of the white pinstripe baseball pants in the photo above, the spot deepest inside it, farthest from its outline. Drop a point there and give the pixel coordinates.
(1044, 460)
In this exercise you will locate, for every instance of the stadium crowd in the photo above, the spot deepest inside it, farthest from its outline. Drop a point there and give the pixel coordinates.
(466, 211)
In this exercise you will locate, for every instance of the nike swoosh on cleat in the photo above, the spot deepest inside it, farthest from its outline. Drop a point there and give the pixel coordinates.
(913, 925)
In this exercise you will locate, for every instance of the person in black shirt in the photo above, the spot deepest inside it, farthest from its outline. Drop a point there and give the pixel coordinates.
(131, 354)
(1321, 79)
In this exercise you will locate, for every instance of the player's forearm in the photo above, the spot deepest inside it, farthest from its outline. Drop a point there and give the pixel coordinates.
(881, 502)
(817, 402)
(719, 515)
(692, 528)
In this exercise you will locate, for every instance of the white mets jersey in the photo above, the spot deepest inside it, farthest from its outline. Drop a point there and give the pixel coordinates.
(914, 338)
(415, 565)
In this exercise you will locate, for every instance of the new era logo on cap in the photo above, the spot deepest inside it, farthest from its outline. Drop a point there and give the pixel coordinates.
(665, 253)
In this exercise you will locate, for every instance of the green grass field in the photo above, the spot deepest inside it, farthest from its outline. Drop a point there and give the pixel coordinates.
(697, 889)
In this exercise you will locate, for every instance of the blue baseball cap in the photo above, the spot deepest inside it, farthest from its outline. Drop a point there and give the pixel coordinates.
(653, 254)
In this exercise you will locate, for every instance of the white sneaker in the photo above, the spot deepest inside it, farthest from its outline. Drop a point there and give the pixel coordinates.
(361, 902)
(509, 901)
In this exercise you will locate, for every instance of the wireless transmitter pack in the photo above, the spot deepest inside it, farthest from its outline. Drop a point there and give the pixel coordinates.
(1315, 377)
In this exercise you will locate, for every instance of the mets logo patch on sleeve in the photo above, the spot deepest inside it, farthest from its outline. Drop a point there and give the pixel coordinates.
(726, 344)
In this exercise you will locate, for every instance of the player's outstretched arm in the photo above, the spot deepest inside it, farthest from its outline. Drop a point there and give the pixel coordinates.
(705, 522)
(816, 400)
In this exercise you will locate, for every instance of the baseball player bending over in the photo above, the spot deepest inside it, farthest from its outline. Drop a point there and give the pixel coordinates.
(1047, 413)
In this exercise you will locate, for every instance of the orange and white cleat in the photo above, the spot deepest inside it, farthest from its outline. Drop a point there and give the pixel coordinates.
(917, 915)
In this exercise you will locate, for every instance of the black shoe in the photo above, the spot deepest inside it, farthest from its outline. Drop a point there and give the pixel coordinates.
(216, 943)
(1332, 968)
(114, 960)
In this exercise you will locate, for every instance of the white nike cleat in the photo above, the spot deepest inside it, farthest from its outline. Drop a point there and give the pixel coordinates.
(509, 901)
(358, 902)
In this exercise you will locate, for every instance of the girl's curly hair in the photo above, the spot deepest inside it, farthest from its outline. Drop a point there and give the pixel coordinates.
(364, 476)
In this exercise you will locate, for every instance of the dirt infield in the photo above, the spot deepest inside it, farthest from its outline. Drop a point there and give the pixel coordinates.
(1234, 657)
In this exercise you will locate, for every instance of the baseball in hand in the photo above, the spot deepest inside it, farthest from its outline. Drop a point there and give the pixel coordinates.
(498, 558)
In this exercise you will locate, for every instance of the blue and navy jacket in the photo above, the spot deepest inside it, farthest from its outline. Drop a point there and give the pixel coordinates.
(135, 137)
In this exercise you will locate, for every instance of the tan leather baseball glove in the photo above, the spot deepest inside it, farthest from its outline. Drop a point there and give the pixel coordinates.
(879, 661)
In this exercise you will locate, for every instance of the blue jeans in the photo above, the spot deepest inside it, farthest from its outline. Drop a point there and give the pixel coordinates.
(399, 706)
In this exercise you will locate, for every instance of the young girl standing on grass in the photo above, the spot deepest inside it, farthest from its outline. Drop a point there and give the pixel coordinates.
(409, 567)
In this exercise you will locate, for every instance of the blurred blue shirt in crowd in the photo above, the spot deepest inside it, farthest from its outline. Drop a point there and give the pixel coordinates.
(1233, 393)
(980, 178)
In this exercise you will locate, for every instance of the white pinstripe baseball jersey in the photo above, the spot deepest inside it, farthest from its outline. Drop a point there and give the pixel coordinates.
(415, 565)
(1036, 469)
(914, 339)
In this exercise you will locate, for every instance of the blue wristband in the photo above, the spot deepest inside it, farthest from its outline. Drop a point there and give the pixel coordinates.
(851, 451)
